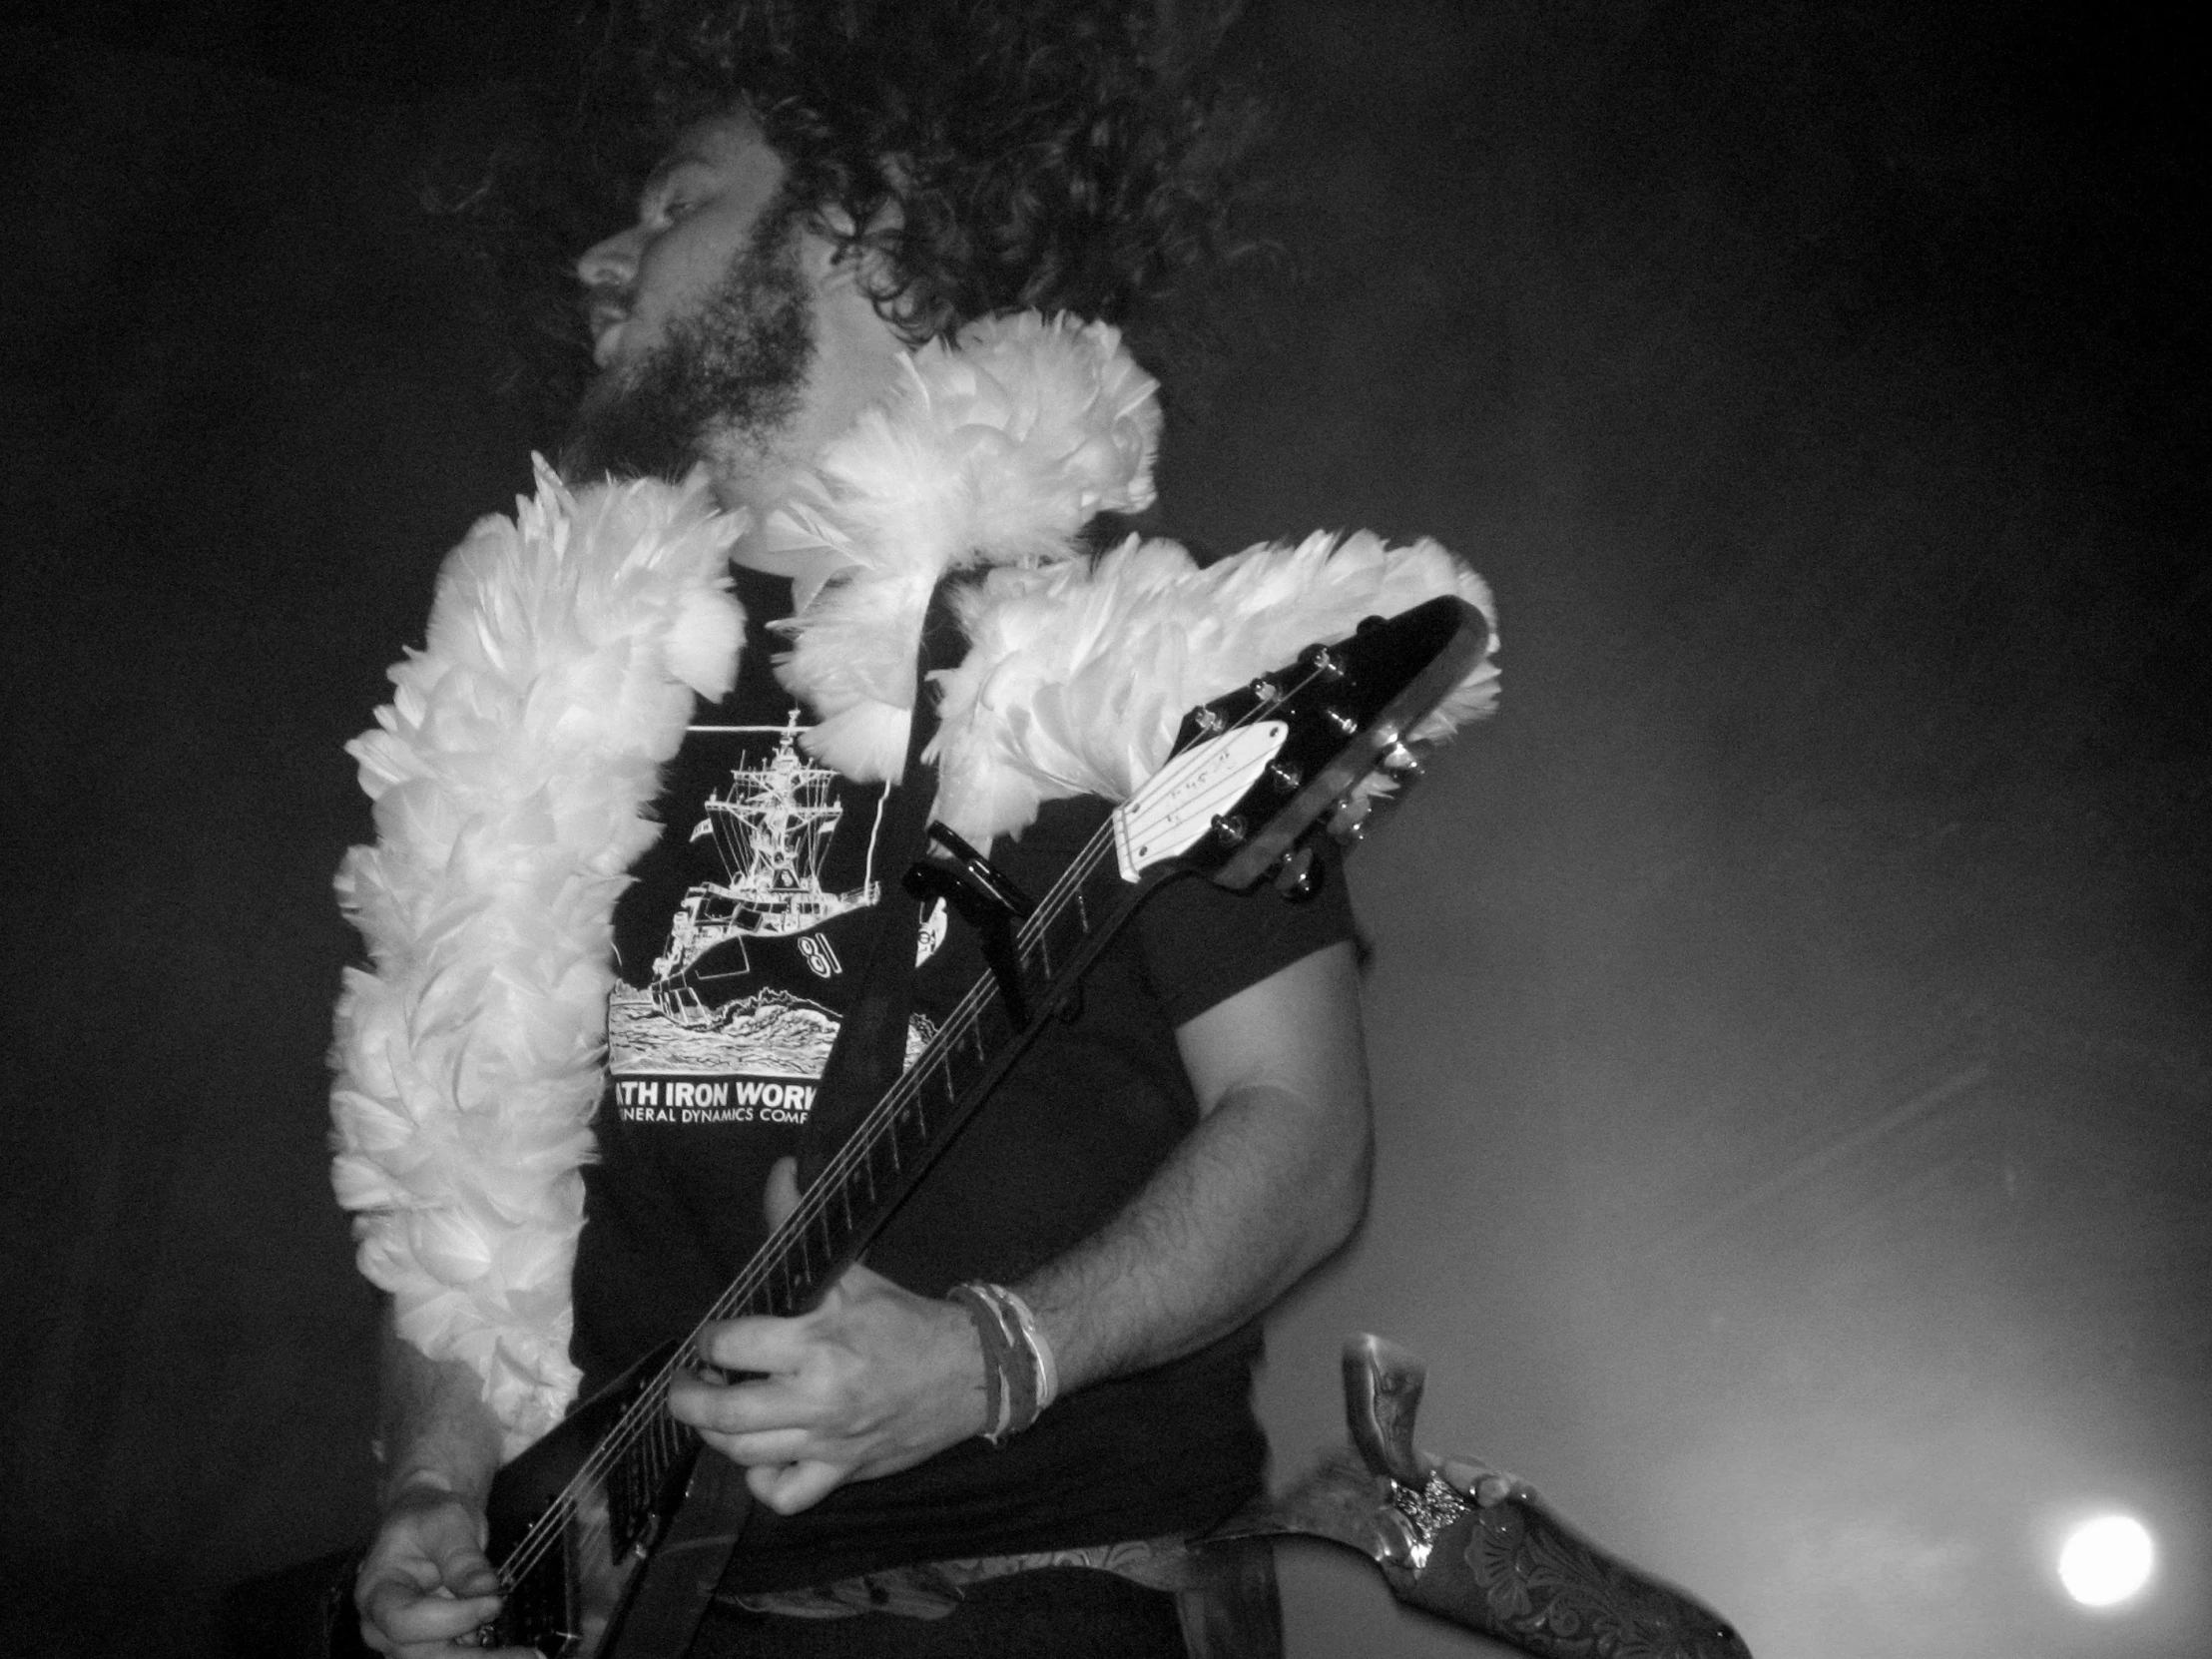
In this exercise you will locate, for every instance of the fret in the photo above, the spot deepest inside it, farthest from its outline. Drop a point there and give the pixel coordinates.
(948, 1076)
(821, 1228)
(867, 1171)
(540, 1592)
(905, 1132)
(628, 1497)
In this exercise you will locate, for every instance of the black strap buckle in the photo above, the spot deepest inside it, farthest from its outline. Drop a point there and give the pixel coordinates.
(987, 900)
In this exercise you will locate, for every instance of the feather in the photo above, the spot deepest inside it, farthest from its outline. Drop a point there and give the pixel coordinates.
(995, 449)
(1078, 676)
(511, 775)
(997, 453)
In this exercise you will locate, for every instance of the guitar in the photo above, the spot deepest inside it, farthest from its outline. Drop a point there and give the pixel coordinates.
(596, 1549)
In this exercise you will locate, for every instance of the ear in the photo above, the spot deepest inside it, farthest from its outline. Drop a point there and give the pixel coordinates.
(847, 269)
(855, 261)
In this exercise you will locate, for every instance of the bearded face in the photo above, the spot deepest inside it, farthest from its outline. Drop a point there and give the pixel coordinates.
(726, 377)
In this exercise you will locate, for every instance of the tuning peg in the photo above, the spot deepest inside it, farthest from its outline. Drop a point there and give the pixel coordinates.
(1324, 663)
(1347, 820)
(1298, 875)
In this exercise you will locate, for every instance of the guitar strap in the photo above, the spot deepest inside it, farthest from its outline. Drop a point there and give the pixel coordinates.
(679, 1580)
(871, 1047)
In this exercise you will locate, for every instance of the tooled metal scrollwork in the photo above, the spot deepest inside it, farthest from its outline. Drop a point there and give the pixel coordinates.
(1487, 1553)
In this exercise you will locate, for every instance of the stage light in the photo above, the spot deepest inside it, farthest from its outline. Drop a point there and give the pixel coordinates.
(2106, 1560)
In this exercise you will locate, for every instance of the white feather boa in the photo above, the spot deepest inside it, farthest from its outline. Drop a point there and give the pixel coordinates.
(512, 773)
(514, 770)
(1078, 675)
(997, 453)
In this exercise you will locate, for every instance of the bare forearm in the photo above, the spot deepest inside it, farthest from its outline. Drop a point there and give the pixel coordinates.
(1272, 1179)
(1237, 1216)
(433, 1426)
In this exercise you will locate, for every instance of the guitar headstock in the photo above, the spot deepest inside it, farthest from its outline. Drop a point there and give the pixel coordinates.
(1254, 769)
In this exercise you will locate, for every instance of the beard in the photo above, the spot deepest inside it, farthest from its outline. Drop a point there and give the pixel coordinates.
(735, 369)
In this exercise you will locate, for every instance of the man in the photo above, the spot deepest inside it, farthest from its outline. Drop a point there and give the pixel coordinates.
(1167, 1168)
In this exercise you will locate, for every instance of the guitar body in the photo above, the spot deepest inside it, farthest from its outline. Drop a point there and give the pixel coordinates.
(579, 1581)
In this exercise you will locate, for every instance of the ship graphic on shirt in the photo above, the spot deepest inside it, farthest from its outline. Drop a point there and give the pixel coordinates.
(772, 826)
(759, 960)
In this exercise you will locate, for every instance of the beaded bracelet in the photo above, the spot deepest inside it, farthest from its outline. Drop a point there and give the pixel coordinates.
(1019, 1378)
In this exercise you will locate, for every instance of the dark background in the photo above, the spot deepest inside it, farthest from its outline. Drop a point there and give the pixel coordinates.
(1789, 1023)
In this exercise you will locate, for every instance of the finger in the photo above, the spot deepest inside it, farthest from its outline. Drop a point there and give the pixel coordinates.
(761, 1344)
(858, 1281)
(758, 1405)
(790, 1487)
(405, 1616)
(466, 1571)
(777, 1447)
(443, 1649)
(782, 1196)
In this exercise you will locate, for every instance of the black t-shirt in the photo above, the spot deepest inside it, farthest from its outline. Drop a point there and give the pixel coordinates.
(738, 945)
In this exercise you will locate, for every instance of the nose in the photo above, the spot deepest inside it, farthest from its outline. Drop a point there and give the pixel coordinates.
(612, 262)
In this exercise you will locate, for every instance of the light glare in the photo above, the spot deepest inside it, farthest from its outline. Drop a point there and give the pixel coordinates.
(2105, 1560)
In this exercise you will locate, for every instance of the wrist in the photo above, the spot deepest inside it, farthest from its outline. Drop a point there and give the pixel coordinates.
(1019, 1375)
(425, 1486)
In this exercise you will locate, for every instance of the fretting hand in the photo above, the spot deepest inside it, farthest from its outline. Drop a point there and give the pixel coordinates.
(873, 1381)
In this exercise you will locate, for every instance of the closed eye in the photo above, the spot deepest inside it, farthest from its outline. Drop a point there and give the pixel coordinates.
(671, 197)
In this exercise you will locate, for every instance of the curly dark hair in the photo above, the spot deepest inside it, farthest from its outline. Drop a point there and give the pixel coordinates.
(1085, 156)
(1001, 154)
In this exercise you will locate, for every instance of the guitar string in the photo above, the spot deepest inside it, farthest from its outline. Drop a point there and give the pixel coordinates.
(642, 1418)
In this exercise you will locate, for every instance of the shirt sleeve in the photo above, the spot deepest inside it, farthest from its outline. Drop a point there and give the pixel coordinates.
(1199, 944)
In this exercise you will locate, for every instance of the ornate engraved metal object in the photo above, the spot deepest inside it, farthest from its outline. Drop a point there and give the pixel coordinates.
(1495, 1559)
